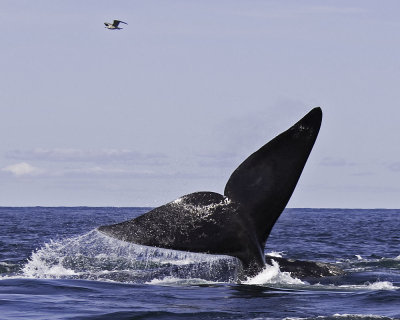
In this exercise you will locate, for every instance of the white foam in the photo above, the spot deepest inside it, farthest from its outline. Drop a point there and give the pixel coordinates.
(38, 268)
(344, 315)
(362, 316)
(9, 276)
(273, 275)
(379, 285)
(277, 254)
(168, 281)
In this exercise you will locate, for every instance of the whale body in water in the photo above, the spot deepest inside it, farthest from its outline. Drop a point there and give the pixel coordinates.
(238, 222)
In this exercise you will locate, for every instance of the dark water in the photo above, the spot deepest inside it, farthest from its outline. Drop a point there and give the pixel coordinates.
(54, 265)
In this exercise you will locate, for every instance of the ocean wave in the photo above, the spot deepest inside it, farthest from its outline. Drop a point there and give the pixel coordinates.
(378, 285)
(365, 264)
(367, 286)
(338, 316)
(8, 267)
(178, 281)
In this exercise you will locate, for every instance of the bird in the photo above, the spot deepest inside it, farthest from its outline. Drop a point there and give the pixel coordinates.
(114, 25)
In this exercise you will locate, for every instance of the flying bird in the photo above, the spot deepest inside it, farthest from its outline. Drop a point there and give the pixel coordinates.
(114, 25)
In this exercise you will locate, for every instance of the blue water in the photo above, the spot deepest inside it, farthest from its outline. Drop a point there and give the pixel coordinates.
(55, 265)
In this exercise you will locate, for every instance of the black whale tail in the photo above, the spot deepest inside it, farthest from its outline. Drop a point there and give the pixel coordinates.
(264, 182)
(257, 191)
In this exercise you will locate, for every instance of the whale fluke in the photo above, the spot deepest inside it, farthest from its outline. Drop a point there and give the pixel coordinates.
(239, 222)
(265, 181)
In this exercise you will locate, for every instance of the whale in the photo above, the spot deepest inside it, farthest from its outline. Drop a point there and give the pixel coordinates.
(238, 222)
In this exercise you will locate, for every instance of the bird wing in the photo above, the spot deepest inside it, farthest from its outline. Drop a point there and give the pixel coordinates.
(117, 22)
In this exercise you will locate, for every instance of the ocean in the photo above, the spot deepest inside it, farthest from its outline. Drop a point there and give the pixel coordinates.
(54, 264)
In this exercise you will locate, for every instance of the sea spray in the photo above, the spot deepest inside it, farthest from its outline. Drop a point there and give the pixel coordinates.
(273, 275)
(96, 256)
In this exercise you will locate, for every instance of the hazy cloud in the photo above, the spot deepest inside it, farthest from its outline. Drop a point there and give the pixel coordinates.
(372, 189)
(22, 169)
(363, 174)
(301, 10)
(79, 155)
(335, 162)
(220, 160)
(250, 130)
(394, 167)
(99, 171)
(334, 10)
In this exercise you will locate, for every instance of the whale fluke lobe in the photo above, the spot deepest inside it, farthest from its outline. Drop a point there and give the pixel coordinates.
(239, 222)
(265, 181)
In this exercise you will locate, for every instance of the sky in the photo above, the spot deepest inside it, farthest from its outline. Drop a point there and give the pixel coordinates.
(175, 101)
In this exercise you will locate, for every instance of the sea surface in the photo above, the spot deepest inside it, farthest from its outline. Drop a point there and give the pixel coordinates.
(55, 265)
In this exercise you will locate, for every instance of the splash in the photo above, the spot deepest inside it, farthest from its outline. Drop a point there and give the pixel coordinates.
(95, 256)
(273, 275)
(278, 254)
(381, 285)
